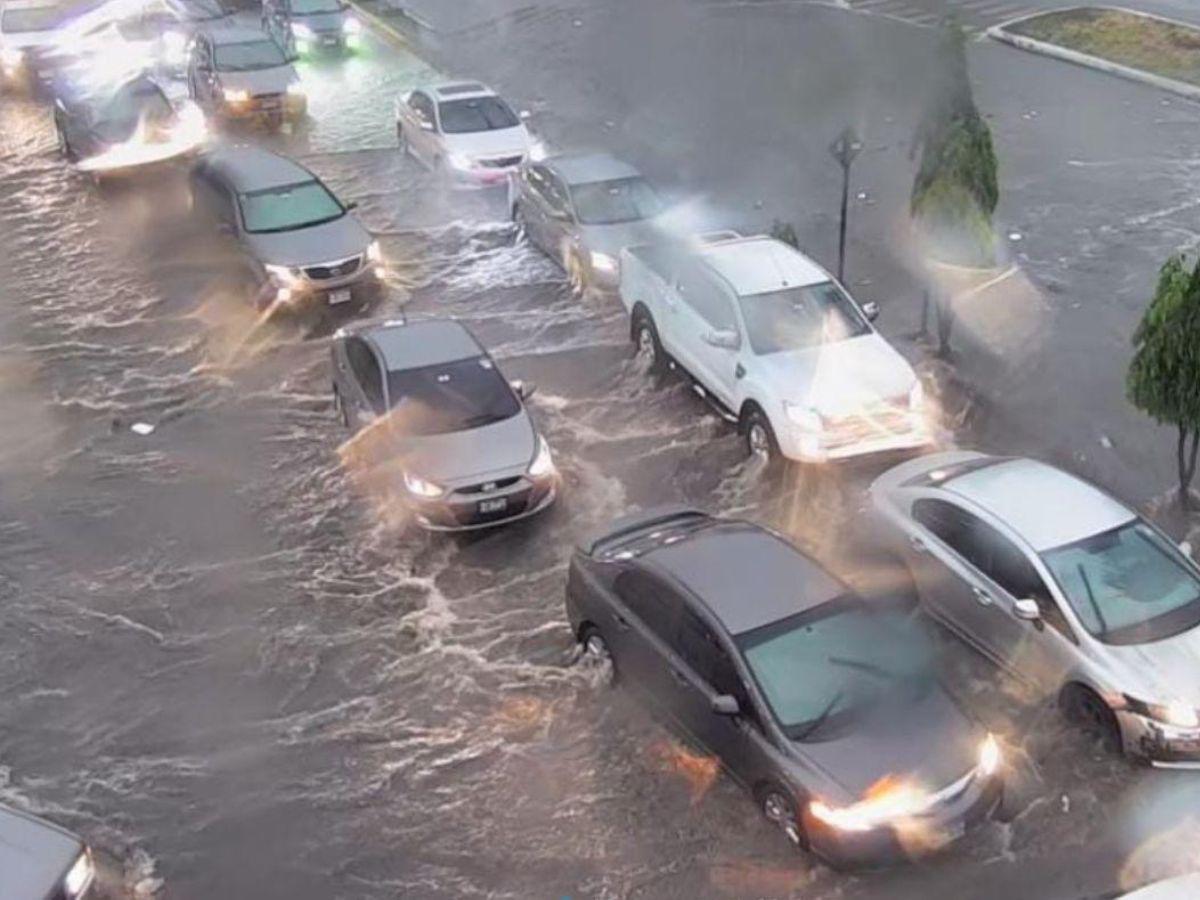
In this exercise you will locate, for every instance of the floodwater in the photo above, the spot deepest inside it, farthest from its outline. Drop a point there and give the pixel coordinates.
(239, 677)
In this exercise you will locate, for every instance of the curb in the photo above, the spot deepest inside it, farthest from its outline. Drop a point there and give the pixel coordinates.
(1033, 45)
(385, 28)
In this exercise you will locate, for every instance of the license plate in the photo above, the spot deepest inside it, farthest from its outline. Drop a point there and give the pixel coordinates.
(342, 296)
(491, 506)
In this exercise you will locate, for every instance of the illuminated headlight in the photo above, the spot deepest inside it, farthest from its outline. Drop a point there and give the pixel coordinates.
(916, 396)
(804, 417)
(302, 31)
(989, 755)
(419, 487)
(352, 26)
(295, 90)
(1176, 713)
(11, 59)
(537, 150)
(80, 876)
(461, 161)
(284, 275)
(602, 262)
(898, 803)
(374, 252)
(543, 462)
(235, 95)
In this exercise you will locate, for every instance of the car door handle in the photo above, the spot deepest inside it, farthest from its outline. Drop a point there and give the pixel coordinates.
(918, 545)
(984, 598)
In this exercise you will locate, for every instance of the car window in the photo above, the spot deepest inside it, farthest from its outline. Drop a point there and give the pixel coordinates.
(423, 107)
(961, 531)
(448, 397)
(289, 207)
(211, 198)
(707, 299)
(651, 601)
(556, 194)
(366, 371)
(1011, 569)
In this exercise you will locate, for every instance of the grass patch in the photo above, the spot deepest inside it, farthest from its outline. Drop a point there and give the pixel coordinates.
(1152, 45)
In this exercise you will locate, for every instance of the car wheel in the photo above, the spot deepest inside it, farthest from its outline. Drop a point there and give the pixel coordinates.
(779, 809)
(760, 437)
(596, 652)
(1085, 708)
(339, 407)
(648, 348)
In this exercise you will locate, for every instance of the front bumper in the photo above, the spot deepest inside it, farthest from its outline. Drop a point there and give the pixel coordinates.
(364, 285)
(460, 512)
(910, 432)
(479, 177)
(911, 838)
(269, 107)
(1161, 745)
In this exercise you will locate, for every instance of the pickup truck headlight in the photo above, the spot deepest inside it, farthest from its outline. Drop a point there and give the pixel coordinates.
(302, 31)
(804, 417)
(419, 487)
(374, 252)
(602, 262)
(295, 90)
(80, 876)
(1176, 712)
(235, 95)
(543, 462)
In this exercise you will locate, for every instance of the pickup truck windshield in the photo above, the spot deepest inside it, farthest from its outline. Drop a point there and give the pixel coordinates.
(613, 202)
(289, 207)
(801, 317)
(248, 56)
(448, 397)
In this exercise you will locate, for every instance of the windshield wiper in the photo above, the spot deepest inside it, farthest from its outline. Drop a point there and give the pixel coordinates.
(1092, 599)
(820, 719)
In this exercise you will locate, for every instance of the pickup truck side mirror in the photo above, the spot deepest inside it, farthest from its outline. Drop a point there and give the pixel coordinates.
(725, 339)
(725, 705)
(871, 310)
(524, 389)
(351, 206)
(426, 125)
(1027, 610)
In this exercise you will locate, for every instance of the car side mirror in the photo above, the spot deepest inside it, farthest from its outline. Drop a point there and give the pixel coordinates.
(725, 339)
(871, 310)
(524, 389)
(1027, 610)
(725, 705)
(525, 115)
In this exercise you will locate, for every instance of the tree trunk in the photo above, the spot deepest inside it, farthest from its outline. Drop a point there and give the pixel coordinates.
(945, 324)
(1185, 454)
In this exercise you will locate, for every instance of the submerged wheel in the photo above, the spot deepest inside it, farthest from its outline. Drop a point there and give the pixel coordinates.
(595, 648)
(648, 347)
(1085, 708)
(779, 809)
(760, 437)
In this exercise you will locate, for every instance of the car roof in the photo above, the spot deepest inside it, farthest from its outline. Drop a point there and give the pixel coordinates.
(713, 563)
(456, 90)
(1044, 505)
(585, 168)
(248, 168)
(236, 34)
(760, 264)
(426, 342)
(34, 853)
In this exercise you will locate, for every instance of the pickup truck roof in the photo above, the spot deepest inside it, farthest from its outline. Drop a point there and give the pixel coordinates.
(749, 265)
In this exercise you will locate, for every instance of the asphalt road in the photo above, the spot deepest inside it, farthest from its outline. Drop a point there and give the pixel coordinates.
(227, 668)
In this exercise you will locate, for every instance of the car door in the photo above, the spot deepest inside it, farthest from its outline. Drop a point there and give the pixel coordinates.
(420, 128)
(535, 203)
(560, 219)
(694, 293)
(641, 632)
(364, 399)
(708, 311)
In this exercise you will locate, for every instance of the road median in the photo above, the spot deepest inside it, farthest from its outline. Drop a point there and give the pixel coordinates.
(1153, 50)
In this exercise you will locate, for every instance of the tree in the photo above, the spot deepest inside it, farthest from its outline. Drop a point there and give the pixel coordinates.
(786, 232)
(1164, 375)
(955, 190)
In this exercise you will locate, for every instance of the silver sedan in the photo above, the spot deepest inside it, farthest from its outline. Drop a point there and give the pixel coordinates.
(1065, 587)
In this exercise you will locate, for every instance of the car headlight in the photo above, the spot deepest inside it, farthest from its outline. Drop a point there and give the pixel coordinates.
(1176, 712)
(284, 275)
(235, 95)
(604, 263)
(989, 755)
(916, 396)
(897, 802)
(295, 90)
(543, 462)
(461, 161)
(352, 26)
(419, 487)
(537, 150)
(11, 58)
(374, 252)
(803, 416)
(302, 31)
(79, 876)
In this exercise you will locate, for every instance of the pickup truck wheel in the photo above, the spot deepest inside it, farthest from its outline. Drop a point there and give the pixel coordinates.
(649, 348)
(1086, 709)
(760, 438)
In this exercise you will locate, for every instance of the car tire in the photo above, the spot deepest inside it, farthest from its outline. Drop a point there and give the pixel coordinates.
(593, 645)
(1085, 708)
(779, 808)
(646, 344)
(339, 407)
(760, 436)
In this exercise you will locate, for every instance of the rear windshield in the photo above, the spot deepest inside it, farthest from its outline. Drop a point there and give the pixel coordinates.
(248, 56)
(37, 18)
(447, 397)
(289, 207)
(476, 114)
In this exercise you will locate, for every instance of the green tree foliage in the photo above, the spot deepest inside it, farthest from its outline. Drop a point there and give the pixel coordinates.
(1164, 375)
(955, 191)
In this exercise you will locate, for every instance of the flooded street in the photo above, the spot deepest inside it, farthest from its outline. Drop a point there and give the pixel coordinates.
(230, 667)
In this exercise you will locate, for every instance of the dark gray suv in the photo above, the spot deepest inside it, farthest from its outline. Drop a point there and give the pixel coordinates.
(823, 704)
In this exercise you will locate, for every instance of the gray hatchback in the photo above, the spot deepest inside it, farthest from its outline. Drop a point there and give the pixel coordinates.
(824, 705)
(298, 240)
(454, 439)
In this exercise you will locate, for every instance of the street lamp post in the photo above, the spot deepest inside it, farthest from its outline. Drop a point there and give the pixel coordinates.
(845, 149)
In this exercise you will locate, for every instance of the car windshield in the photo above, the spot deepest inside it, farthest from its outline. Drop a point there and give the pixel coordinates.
(128, 107)
(247, 56)
(1129, 585)
(613, 202)
(476, 114)
(447, 397)
(289, 207)
(309, 7)
(801, 317)
(824, 669)
(33, 18)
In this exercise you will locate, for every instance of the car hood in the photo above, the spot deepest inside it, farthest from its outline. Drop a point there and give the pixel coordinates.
(839, 379)
(612, 239)
(34, 854)
(500, 142)
(464, 455)
(929, 742)
(329, 242)
(320, 22)
(260, 81)
(1163, 671)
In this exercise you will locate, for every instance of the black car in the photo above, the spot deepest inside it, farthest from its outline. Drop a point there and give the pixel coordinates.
(824, 704)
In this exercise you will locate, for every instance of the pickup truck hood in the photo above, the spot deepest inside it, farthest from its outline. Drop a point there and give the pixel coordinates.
(329, 242)
(34, 855)
(1168, 669)
(260, 81)
(929, 742)
(612, 239)
(485, 144)
(838, 379)
(460, 455)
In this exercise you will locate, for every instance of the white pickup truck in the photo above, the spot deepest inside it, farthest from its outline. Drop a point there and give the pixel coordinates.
(775, 344)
